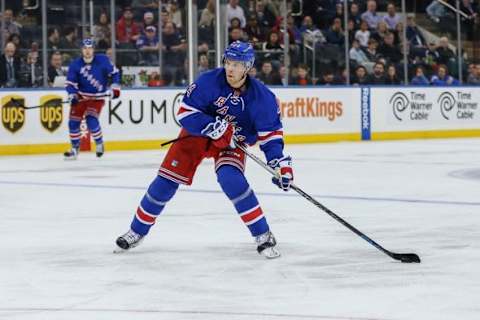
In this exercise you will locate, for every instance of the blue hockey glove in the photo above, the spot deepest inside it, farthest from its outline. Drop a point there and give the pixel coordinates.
(283, 166)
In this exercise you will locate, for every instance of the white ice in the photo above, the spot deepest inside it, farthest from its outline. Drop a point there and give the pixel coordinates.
(59, 220)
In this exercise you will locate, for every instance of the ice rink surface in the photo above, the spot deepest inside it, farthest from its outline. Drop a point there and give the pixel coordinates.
(59, 221)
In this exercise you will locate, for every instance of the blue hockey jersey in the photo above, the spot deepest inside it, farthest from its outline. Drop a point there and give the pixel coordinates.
(91, 79)
(254, 112)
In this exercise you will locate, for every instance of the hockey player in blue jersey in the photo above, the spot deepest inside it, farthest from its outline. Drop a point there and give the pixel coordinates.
(223, 106)
(87, 85)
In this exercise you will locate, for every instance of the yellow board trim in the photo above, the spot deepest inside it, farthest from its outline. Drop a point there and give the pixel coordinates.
(290, 139)
(434, 134)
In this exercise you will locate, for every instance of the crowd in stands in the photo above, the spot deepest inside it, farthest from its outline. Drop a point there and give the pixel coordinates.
(375, 41)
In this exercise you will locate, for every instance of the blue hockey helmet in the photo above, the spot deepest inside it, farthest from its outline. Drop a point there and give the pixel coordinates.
(87, 43)
(240, 51)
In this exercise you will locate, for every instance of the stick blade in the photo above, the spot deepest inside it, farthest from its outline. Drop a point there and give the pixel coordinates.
(407, 257)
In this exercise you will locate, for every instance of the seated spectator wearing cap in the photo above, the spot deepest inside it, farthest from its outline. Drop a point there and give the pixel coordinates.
(148, 45)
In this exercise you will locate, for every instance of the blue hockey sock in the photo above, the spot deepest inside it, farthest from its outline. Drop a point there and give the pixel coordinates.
(74, 130)
(95, 129)
(236, 187)
(159, 192)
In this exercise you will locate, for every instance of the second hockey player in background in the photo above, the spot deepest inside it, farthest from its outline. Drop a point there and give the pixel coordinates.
(87, 86)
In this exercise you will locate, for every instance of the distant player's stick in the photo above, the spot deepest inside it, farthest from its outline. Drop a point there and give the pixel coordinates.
(404, 257)
(19, 104)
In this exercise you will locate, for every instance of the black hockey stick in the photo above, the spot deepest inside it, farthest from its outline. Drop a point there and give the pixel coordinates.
(17, 103)
(404, 257)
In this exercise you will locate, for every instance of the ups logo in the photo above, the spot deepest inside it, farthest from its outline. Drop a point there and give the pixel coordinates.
(13, 114)
(51, 112)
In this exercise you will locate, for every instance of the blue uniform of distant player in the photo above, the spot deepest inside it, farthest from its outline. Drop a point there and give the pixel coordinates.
(87, 82)
(223, 107)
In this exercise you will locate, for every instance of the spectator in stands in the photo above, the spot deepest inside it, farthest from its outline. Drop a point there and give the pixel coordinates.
(302, 78)
(254, 31)
(203, 64)
(310, 31)
(360, 77)
(419, 79)
(380, 33)
(339, 11)
(442, 78)
(474, 75)
(328, 78)
(69, 44)
(253, 72)
(102, 32)
(468, 23)
(235, 23)
(128, 30)
(236, 34)
(9, 67)
(392, 17)
(148, 45)
(335, 34)
(417, 42)
(355, 15)
(389, 51)
(207, 17)
(269, 76)
(323, 12)
(31, 74)
(55, 68)
(176, 14)
(435, 11)
(392, 77)
(371, 51)
(10, 26)
(174, 50)
(445, 54)
(234, 10)
(53, 41)
(371, 16)
(264, 17)
(378, 75)
(273, 49)
(363, 35)
(15, 39)
(148, 20)
(145, 4)
(357, 54)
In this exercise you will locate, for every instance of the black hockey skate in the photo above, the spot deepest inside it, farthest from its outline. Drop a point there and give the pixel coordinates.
(71, 154)
(266, 245)
(128, 240)
(99, 150)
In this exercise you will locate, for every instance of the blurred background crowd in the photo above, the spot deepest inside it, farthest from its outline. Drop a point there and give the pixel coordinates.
(369, 42)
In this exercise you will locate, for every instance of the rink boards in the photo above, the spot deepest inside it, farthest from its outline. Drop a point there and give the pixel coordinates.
(144, 118)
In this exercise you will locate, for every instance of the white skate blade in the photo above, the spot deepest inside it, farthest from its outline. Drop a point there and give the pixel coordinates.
(119, 250)
(270, 253)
